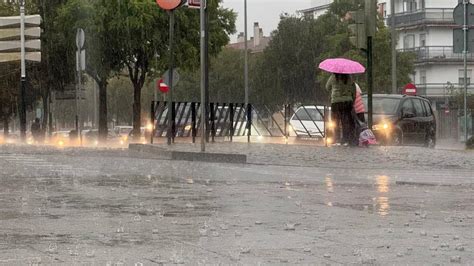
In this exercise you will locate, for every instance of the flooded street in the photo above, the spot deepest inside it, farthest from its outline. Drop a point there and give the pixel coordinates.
(117, 207)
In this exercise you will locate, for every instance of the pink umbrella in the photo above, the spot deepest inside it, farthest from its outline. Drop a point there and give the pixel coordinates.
(341, 66)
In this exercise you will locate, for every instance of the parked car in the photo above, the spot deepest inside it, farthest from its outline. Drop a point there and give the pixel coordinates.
(60, 138)
(123, 132)
(183, 122)
(308, 121)
(223, 126)
(403, 119)
(91, 137)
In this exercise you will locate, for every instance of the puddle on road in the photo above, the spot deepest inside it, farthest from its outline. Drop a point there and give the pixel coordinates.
(382, 201)
(382, 182)
(329, 184)
(383, 206)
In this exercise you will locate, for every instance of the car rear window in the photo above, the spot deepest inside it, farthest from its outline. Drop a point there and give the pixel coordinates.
(308, 114)
(383, 105)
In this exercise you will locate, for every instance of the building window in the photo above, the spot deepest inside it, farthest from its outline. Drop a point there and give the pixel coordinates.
(461, 76)
(409, 41)
(409, 5)
(383, 9)
(422, 3)
(422, 76)
(422, 40)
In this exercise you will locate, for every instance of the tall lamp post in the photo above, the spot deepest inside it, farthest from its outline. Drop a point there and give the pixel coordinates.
(246, 64)
(23, 73)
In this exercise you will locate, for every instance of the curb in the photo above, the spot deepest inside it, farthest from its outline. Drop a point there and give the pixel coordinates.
(208, 157)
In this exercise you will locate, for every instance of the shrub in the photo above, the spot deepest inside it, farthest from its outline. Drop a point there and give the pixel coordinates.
(470, 143)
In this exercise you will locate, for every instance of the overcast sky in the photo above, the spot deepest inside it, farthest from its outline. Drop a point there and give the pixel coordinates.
(266, 12)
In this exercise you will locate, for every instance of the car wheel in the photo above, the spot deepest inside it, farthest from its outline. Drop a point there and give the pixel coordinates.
(430, 141)
(397, 138)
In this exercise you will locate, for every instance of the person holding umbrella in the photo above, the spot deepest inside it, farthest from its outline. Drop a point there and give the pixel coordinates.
(342, 91)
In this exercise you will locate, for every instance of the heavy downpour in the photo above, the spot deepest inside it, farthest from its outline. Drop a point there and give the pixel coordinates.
(235, 132)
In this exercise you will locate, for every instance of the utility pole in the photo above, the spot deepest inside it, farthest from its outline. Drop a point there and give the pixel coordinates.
(80, 64)
(170, 93)
(206, 75)
(23, 74)
(465, 31)
(203, 73)
(394, 46)
(371, 26)
(246, 66)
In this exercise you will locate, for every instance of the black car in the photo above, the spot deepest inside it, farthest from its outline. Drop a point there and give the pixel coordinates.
(403, 119)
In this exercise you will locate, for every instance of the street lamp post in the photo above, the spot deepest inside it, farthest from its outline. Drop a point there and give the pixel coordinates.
(246, 73)
(23, 73)
(246, 67)
(203, 73)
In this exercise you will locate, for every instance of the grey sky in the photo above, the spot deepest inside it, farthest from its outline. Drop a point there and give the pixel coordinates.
(266, 12)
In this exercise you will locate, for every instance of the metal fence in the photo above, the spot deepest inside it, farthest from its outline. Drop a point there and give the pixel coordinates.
(451, 123)
(229, 120)
(436, 53)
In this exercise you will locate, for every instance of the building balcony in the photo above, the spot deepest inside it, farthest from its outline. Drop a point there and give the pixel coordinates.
(431, 16)
(437, 54)
(439, 89)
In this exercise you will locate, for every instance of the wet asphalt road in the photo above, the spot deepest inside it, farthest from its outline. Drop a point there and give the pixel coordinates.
(116, 207)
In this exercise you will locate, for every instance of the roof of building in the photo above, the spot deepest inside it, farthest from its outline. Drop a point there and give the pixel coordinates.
(264, 41)
(313, 9)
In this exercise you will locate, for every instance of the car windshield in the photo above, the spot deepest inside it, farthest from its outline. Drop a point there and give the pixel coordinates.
(383, 105)
(308, 114)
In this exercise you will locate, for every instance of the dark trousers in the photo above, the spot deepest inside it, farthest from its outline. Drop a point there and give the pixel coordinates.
(342, 116)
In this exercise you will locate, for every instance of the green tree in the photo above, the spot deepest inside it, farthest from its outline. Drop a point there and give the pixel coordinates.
(56, 71)
(288, 73)
(144, 35)
(103, 44)
(226, 80)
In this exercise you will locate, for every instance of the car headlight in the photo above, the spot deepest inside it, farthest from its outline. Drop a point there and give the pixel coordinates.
(331, 125)
(149, 127)
(381, 126)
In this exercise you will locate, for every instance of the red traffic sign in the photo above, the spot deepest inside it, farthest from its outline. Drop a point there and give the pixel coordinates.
(409, 89)
(169, 4)
(162, 86)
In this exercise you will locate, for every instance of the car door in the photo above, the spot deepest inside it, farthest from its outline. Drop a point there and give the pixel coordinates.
(407, 124)
(420, 121)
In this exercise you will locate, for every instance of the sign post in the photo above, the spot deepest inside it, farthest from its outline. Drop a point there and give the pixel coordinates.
(170, 5)
(80, 65)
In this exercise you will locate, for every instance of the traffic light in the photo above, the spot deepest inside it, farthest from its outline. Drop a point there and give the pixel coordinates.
(357, 29)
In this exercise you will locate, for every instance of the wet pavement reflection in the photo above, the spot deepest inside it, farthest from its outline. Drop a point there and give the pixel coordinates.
(382, 201)
(124, 210)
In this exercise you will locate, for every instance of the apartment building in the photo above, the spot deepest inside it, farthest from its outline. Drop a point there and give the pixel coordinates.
(424, 27)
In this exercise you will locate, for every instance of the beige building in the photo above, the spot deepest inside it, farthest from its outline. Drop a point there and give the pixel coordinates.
(256, 44)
